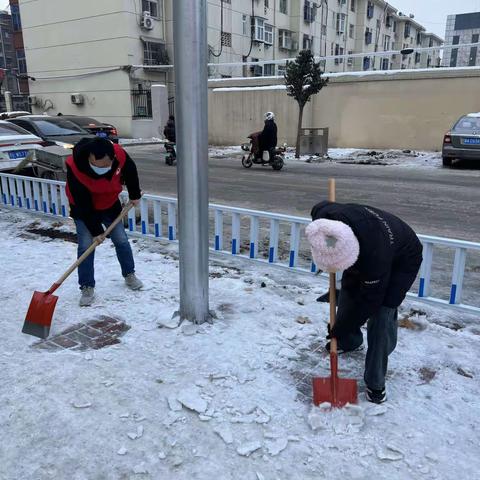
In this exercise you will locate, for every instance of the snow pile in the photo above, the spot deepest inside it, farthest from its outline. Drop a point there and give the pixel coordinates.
(355, 156)
(140, 141)
(228, 400)
(226, 152)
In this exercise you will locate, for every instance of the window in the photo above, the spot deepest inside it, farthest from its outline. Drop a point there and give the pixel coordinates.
(417, 57)
(386, 42)
(268, 34)
(394, 27)
(352, 5)
(154, 53)
(407, 30)
(245, 24)
(370, 11)
(475, 38)
(368, 36)
(388, 21)
(285, 40)
(338, 51)
(419, 38)
(385, 64)
(256, 70)
(341, 23)
(283, 6)
(379, 24)
(22, 63)
(366, 63)
(266, 3)
(453, 58)
(456, 40)
(16, 20)
(152, 7)
(324, 30)
(269, 70)
(307, 43)
(351, 31)
(281, 70)
(226, 39)
(472, 60)
(258, 29)
(309, 12)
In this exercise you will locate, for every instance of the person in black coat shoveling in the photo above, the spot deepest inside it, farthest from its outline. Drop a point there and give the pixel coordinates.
(268, 137)
(95, 173)
(380, 256)
(169, 130)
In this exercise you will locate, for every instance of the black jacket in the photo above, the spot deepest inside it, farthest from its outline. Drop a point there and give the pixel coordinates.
(389, 259)
(268, 137)
(83, 207)
(169, 131)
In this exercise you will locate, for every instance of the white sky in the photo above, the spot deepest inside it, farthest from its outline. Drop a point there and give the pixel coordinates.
(432, 14)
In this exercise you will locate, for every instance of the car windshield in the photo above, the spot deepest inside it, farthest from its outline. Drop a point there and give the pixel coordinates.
(9, 130)
(57, 128)
(469, 125)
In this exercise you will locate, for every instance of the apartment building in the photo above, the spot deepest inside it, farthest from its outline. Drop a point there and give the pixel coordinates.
(101, 57)
(462, 29)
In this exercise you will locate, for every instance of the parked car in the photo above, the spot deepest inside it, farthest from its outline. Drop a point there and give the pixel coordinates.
(7, 115)
(56, 130)
(15, 144)
(462, 142)
(94, 127)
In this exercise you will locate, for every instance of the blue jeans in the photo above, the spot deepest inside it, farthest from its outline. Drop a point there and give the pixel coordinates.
(86, 270)
(382, 329)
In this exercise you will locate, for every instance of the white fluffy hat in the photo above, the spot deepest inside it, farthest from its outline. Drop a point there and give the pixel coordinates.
(334, 245)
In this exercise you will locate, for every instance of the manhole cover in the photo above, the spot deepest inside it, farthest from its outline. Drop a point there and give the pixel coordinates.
(90, 335)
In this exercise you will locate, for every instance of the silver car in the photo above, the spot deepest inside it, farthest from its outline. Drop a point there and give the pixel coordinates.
(462, 142)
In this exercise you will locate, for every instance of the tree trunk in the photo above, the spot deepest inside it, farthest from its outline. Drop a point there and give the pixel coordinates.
(299, 129)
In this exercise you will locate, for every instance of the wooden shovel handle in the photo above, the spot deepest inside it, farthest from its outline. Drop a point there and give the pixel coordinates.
(91, 248)
(333, 286)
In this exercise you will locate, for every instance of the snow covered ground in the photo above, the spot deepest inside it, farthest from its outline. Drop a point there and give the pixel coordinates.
(230, 400)
(403, 158)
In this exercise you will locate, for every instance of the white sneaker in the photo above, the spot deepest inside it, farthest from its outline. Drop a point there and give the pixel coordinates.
(88, 295)
(132, 282)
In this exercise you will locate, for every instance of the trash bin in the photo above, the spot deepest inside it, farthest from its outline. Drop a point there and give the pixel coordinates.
(314, 141)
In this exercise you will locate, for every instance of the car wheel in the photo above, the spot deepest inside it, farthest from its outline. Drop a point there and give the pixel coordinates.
(447, 162)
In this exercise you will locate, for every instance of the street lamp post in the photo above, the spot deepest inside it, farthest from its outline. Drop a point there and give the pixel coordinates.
(190, 49)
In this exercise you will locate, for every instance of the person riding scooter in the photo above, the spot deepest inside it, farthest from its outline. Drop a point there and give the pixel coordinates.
(267, 140)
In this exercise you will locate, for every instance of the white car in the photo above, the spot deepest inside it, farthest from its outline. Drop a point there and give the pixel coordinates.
(15, 144)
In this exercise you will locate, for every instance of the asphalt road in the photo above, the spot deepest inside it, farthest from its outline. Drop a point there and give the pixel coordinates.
(434, 201)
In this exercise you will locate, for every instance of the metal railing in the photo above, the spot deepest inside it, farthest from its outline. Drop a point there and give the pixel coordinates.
(268, 238)
(141, 103)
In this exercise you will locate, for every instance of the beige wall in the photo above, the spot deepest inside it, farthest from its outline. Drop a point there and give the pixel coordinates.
(401, 110)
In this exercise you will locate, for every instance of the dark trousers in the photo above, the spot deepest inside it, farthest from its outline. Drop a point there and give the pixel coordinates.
(382, 329)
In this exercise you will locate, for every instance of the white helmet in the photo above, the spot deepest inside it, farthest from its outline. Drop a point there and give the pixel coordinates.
(269, 116)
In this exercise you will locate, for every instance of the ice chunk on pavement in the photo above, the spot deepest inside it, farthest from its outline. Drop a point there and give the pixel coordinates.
(162, 455)
(167, 321)
(276, 446)
(191, 399)
(80, 404)
(389, 452)
(316, 419)
(174, 404)
(122, 451)
(225, 433)
(247, 449)
(288, 353)
(377, 410)
(137, 434)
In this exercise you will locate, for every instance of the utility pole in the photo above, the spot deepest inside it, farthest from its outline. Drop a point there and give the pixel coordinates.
(191, 80)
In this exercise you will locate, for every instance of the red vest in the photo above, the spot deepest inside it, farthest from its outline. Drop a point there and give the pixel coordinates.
(104, 191)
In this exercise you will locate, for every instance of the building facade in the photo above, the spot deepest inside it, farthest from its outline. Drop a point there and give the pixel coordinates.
(110, 52)
(462, 29)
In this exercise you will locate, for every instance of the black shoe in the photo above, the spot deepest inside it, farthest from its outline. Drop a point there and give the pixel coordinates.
(341, 349)
(376, 396)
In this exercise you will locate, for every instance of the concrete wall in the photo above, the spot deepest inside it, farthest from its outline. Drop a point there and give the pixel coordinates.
(405, 109)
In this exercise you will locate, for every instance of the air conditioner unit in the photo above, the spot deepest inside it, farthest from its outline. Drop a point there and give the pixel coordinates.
(32, 100)
(77, 99)
(147, 22)
(350, 62)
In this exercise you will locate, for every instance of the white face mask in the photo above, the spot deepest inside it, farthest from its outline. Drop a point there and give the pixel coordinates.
(100, 170)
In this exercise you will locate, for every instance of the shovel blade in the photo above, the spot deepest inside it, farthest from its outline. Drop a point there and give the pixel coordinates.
(40, 314)
(336, 391)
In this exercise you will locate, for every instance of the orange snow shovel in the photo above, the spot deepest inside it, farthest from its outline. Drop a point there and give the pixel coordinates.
(42, 305)
(334, 390)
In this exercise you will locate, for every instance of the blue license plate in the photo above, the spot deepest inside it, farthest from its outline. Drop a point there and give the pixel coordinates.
(18, 154)
(471, 141)
(102, 134)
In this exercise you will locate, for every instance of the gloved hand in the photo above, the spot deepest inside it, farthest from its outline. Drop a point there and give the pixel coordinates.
(337, 332)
